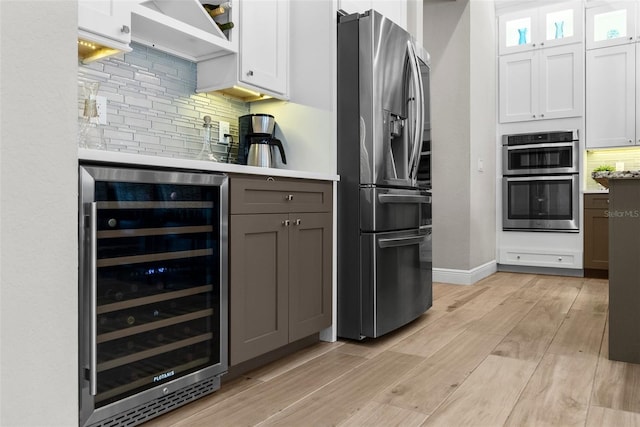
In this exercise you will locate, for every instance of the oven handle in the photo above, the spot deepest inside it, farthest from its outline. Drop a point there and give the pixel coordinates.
(402, 241)
(546, 145)
(93, 298)
(538, 177)
(403, 198)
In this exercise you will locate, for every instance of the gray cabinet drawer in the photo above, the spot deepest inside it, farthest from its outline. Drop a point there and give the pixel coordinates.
(251, 194)
(596, 201)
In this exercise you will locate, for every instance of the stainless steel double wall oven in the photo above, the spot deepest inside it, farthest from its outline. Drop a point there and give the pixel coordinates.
(540, 184)
(152, 291)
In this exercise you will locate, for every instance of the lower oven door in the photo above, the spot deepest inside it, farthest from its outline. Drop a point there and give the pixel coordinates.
(541, 203)
(396, 287)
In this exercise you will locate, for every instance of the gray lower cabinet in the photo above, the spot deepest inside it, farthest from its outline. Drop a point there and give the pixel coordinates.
(280, 263)
(596, 233)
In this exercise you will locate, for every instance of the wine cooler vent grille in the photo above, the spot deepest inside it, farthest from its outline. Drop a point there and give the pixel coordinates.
(161, 405)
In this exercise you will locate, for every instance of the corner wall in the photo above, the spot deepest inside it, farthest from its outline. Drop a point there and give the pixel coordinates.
(38, 213)
(459, 37)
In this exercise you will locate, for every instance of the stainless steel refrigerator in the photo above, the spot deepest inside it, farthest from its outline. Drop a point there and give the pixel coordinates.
(384, 211)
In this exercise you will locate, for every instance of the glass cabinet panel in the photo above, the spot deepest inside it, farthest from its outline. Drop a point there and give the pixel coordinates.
(611, 25)
(518, 32)
(552, 25)
(559, 24)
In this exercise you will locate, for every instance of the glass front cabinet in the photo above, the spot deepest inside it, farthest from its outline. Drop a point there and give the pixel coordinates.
(548, 26)
(612, 24)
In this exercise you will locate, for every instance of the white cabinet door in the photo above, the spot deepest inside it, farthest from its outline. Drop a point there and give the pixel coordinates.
(561, 24)
(611, 97)
(518, 87)
(395, 10)
(264, 39)
(541, 84)
(355, 6)
(517, 31)
(637, 93)
(611, 24)
(106, 18)
(561, 77)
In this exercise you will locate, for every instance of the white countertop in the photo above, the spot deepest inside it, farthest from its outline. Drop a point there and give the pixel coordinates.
(89, 155)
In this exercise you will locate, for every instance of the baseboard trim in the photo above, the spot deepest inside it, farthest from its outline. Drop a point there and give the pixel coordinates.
(464, 277)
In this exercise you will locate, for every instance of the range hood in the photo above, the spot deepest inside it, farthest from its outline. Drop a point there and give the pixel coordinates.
(179, 27)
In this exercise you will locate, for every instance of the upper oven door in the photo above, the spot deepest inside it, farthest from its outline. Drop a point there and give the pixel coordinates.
(544, 203)
(540, 159)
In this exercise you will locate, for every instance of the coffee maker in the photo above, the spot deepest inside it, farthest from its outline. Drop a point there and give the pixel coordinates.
(256, 132)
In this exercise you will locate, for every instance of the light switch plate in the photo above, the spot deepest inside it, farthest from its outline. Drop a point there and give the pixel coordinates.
(223, 128)
(101, 106)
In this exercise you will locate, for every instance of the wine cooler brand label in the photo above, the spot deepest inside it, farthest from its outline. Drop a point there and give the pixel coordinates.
(163, 376)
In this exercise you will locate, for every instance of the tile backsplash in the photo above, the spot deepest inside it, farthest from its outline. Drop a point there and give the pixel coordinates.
(621, 158)
(152, 106)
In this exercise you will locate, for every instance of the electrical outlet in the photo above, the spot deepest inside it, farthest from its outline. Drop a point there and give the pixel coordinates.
(101, 106)
(223, 127)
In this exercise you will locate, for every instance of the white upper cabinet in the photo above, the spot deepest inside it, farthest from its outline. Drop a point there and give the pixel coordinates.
(395, 10)
(264, 40)
(539, 85)
(612, 24)
(261, 66)
(548, 26)
(612, 93)
(107, 22)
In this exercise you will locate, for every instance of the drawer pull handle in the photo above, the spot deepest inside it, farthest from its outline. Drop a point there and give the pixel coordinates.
(270, 179)
(560, 258)
(286, 222)
(298, 222)
(288, 197)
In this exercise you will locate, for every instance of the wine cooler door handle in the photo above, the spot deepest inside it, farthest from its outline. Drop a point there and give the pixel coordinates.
(93, 298)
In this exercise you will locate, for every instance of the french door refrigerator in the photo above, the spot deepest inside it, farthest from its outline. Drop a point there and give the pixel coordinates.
(384, 216)
(152, 291)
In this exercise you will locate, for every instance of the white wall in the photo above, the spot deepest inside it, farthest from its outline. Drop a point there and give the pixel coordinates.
(460, 38)
(38, 211)
(483, 133)
(307, 122)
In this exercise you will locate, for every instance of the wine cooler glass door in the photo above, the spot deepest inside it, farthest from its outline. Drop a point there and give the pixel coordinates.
(153, 288)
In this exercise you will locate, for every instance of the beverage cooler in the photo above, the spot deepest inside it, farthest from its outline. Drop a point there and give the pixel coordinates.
(152, 291)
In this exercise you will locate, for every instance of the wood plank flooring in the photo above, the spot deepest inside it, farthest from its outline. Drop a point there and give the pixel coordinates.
(511, 350)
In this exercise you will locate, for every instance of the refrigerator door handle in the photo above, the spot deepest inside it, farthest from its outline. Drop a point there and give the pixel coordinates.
(401, 241)
(419, 122)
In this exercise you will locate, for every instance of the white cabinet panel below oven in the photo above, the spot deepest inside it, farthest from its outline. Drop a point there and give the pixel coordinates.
(540, 258)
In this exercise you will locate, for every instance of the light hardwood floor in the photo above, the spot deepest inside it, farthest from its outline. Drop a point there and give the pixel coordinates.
(511, 350)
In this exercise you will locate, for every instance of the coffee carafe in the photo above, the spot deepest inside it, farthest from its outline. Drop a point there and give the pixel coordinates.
(261, 153)
(257, 142)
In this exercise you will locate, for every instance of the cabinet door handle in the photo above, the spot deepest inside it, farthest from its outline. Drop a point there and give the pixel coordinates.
(125, 29)
(298, 222)
(286, 222)
(288, 197)
(631, 141)
(250, 73)
(541, 115)
(534, 116)
(542, 44)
